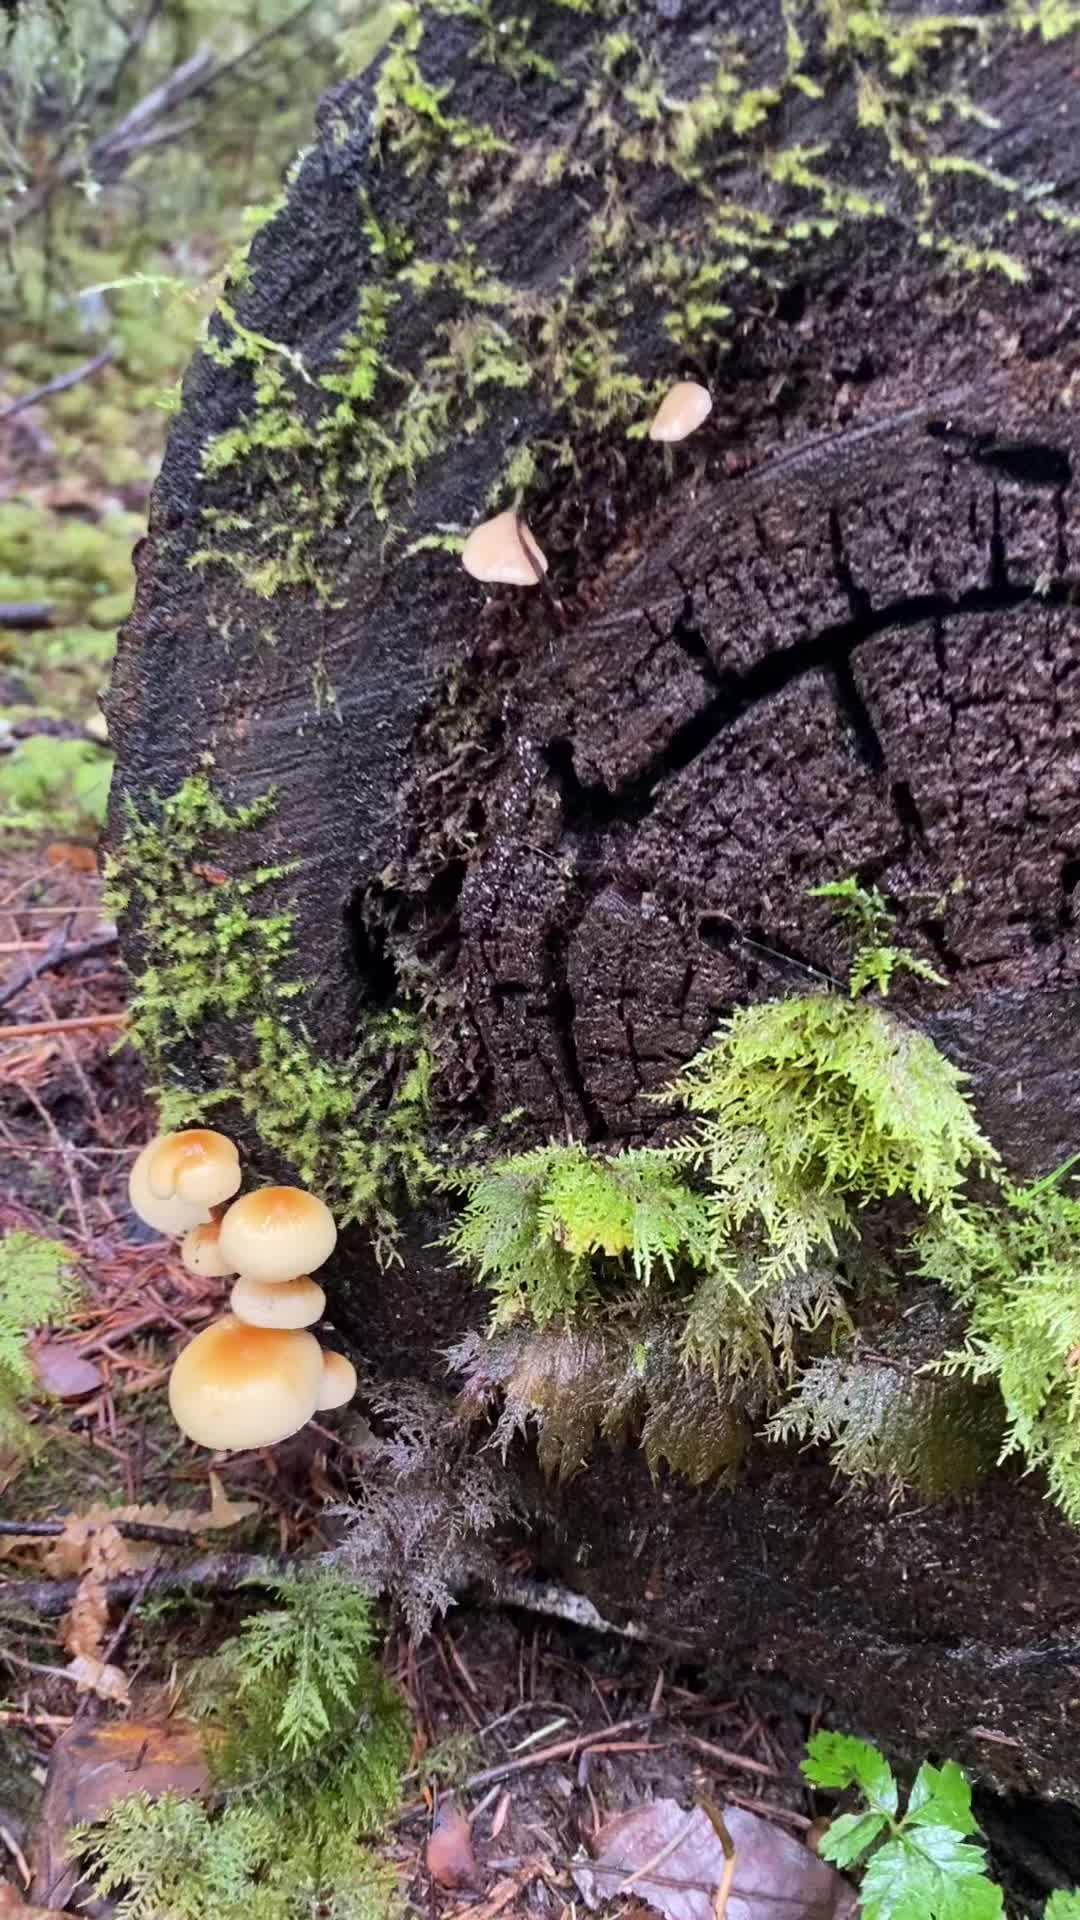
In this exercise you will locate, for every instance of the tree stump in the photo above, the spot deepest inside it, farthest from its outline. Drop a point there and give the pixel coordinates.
(836, 632)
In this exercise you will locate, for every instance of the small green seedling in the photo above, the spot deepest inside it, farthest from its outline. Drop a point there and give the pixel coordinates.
(922, 1864)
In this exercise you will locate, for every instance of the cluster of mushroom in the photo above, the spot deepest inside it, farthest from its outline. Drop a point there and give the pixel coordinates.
(256, 1375)
(503, 552)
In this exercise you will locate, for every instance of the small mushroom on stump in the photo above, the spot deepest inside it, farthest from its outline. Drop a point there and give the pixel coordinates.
(168, 1214)
(200, 1251)
(338, 1383)
(286, 1303)
(681, 411)
(239, 1386)
(502, 552)
(197, 1165)
(277, 1234)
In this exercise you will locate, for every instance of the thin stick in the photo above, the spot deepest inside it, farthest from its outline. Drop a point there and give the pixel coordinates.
(739, 1760)
(129, 1529)
(59, 384)
(663, 1853)
(31, 1029)
(49, 1598)
(26, 615)
(58, 954)
(723, 1891)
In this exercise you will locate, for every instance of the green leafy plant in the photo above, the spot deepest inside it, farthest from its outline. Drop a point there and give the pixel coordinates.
(921, 1864)
(877, 956)
(1015, 1269)
(306, 1742)
(38, 1287)
(1063, 1906)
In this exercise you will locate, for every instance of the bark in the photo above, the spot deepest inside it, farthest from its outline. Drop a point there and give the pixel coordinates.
(837, 632)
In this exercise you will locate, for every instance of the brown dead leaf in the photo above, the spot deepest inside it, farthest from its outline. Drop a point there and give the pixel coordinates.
(96, 1676)
(776, 1878)
(449, 1855)
(82, 1629)
(90, 1541)
(96, 1763)
(69, 854)
(60, 1368)
(14, 1907)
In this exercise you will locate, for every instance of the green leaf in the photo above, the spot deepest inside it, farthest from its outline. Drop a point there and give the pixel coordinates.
(839, 1760)
(849, 1836)
(1063, 1906)
(941, 1796)
(931, 1874)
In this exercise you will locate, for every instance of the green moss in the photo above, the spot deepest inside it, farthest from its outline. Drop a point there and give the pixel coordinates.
(566, 349)
(1015, 1269)
(683, 1293)
(353, 1130)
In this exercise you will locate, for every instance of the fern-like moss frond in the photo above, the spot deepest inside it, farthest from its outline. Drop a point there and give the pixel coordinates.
(882, 1420)
(533, 1228)
(38, 1287)
(1016, 1271)
(811, 1108)
(307, 1743)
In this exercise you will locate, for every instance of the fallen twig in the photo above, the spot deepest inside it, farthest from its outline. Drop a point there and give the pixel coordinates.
(719, 1826)
(59, 384)
(59, 954)
(26, 615)
(32, 1029)
(129, 1529)
(50, 1598)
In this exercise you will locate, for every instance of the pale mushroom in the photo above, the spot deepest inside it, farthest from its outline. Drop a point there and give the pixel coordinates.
(171, 1215)
(338, 1383)
(286, 1303)
(240, 1386)
(198, 1165)
(681, 411)
(502, 552)
(277, 1233)
(200, 1251)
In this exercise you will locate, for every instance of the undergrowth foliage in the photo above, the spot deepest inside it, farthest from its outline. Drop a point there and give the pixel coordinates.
(38, 1287)
(924, 1863)
(306, 1742)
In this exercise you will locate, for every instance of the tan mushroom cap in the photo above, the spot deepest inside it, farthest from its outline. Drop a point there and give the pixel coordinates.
(198, 1165)
(172, 1215)
(338, 1383)
(288, 1303)
(277, 1234)
(200, 1251)
(241, 1386)
(681, 411)
(498, 551)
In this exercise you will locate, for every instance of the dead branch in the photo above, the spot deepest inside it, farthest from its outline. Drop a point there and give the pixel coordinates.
(130, 1529)
(58, 954)
(85, 1023)
(26, 616)
(59, 384)
(223, 1571)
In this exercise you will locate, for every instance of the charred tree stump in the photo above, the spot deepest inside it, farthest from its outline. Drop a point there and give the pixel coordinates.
(835, 632)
